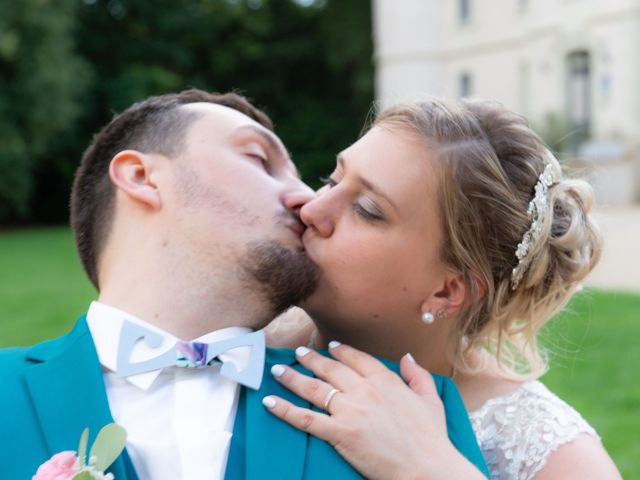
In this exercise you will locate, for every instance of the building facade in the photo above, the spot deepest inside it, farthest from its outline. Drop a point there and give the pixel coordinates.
(571, 66)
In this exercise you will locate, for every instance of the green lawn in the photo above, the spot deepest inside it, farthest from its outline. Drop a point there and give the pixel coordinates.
(43, 289)
(594, 367)
(595, 354)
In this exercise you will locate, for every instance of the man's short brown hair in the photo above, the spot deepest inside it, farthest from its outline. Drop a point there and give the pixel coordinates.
(155, 125)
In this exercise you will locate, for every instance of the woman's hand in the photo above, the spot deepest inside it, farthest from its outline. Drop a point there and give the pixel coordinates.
(382, 427)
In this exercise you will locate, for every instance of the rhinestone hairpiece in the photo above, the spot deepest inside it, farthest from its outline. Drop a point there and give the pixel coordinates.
(537, 211)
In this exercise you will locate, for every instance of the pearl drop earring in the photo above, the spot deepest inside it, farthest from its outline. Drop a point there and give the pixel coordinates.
(427, 317)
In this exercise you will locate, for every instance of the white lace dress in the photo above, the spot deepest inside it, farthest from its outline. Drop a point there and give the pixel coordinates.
(517, 432)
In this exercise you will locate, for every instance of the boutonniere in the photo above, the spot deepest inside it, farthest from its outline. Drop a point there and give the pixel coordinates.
(68, 465)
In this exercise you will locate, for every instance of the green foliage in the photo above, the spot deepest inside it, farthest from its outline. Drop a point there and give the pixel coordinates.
(107, 446)
(309, 67)
(67, 66)
(559, 135)
(42, 82)
(82, 448)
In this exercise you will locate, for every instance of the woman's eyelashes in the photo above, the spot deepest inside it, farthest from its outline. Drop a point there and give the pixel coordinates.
(367, 209)
(369, 212)
(328, 181)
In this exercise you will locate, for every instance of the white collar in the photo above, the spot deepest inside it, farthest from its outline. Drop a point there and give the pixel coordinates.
(105, 323)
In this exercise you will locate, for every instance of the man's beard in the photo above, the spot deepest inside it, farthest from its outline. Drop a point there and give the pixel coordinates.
(285, 276)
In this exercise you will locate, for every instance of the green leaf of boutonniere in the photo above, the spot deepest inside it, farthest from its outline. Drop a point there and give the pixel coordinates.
(85, 475)
(108, 445)
(82, 448)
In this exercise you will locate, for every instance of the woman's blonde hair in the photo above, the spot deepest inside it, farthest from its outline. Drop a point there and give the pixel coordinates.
(490, 162)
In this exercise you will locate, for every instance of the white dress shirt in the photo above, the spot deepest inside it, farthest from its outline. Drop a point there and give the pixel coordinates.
(179, 421)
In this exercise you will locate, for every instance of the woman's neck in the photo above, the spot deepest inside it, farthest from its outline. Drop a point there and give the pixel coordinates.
(488, 382)
(428, 350)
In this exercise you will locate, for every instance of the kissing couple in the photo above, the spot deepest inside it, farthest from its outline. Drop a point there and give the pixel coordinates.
(445, 238)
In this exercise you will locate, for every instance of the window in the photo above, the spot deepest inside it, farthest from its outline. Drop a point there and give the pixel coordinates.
(464, 10)
(579, 90)
(524, 87)
(465, 85)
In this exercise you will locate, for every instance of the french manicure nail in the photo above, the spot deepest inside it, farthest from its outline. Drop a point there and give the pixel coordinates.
(410, 357)
(269, 402)
(334, 344)
(277, 370)
(302, 351)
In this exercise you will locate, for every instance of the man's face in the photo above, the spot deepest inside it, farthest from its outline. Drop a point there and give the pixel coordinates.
(234, 205)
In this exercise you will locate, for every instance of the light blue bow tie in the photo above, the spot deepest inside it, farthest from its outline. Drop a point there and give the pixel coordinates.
(191, 354)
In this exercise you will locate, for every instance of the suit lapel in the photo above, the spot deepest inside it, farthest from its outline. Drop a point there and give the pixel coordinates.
(68, 394)
(274, 450)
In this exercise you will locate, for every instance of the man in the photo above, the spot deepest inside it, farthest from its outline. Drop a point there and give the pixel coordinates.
(184, 211)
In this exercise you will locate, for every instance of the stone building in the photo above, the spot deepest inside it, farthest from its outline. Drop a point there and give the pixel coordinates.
(571, 66)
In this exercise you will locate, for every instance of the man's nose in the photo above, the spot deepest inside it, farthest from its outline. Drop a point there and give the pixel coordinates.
(315, 215)
(297, 196)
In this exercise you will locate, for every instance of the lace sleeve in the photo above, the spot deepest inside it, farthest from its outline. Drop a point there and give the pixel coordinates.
(517, 433)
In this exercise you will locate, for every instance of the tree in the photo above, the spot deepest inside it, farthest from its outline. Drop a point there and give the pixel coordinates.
(308, 63)
(42, 81)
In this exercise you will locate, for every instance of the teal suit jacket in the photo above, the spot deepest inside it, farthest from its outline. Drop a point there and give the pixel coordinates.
(52, 391)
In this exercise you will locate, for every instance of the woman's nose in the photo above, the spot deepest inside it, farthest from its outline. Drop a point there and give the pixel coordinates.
(316, 215)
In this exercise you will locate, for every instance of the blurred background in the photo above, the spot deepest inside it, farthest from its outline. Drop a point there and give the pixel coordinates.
(316, 67)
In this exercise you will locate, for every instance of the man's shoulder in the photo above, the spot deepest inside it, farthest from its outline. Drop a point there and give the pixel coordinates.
(14, 363)
(287, 356)
(15, 359)
(276, 355)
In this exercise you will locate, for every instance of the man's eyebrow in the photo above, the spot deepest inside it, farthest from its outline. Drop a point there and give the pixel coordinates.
(273, 143)
(365, 183)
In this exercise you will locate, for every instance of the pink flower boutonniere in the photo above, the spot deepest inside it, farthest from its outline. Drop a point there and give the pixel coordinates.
(68, 466)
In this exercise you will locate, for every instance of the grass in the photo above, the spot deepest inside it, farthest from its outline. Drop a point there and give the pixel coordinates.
(594, 363)
(43, 289)
(594, 359)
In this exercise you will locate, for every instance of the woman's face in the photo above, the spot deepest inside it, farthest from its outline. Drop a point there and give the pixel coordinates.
(375, 233)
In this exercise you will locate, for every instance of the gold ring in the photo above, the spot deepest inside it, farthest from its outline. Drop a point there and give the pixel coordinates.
(328, 398)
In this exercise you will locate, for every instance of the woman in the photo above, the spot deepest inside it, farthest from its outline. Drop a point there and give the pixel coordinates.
(445, 231)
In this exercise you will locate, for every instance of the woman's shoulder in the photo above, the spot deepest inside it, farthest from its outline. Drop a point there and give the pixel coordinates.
(517, 432)
(533, 400)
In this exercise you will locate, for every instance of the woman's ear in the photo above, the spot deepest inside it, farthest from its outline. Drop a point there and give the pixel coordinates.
(131, 172)
(480, 284)
(450, 298)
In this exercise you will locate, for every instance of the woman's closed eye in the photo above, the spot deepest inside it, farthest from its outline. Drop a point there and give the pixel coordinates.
(368, 210)
(365, 208)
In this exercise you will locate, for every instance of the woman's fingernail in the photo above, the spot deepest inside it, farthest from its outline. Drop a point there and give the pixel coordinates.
(334, 344)
(302, 351)
(269, 402)
(277, 370)
(410, 358)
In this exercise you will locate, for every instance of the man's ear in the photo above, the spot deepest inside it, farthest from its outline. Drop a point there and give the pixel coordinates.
(132, 172)
(450, 298)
